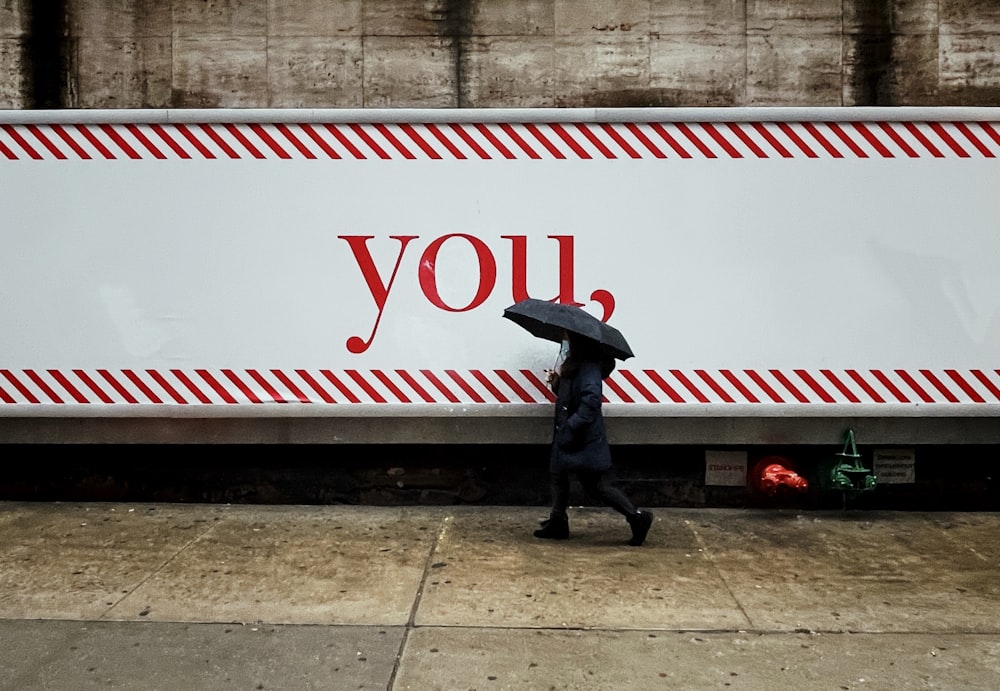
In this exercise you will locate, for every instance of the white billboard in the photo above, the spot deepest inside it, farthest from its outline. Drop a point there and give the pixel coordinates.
(798, 262)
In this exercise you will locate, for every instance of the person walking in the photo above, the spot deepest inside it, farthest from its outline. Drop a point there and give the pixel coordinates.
(579, 441)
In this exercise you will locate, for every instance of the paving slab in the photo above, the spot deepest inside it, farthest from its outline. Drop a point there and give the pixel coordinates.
(857, 571)
(507, 659)
(58, 655)
(280, 564)
(77, 561)
(489, 570)
(299, 565)
(178, 596)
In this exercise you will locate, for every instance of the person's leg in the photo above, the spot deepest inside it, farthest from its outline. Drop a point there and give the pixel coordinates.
(599, 485)
(556, 527)
(559, 483)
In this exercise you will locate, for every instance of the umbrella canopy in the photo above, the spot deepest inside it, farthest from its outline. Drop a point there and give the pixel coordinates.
(548, 320)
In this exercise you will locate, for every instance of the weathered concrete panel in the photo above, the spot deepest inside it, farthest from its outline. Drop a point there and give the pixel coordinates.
(11, 74)
(607, 69)
(405, 17)
(969, 40)
(124, 73)
(214, 72)
(794, 52)
(784, 69)
(970, 60)
(513, 18)
(596, 17)
(314, 18)
(794, 16)
(900, 16)
(13, 18)
(509, 53)
(315, 72)
(969, 16)
(916, 69)
(683, 17)
(509, 72)
(220, 19)
(13, 27)
(700, 69)
(417, 72)
(910, 79)
(119, 18)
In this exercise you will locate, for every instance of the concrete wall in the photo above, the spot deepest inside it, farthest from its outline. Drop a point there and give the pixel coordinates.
(13, 32)
(497, 53)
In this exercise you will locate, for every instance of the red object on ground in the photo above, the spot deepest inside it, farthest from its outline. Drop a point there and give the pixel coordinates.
(773, 474)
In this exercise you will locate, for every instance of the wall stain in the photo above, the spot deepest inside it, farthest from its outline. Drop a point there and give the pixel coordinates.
(457, 26)
(646, 98)
(45, 54)
(872, 75)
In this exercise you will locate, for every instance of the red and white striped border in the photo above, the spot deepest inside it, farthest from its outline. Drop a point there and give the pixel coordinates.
(500, 141)
(222, 387)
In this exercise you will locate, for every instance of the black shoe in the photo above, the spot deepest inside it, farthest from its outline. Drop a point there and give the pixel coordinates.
(555, 528)
(640, 522)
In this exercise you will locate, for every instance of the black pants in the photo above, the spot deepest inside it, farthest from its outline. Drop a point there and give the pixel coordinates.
(596, 483)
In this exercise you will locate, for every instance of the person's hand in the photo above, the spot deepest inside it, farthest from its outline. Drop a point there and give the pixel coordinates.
(551, 379)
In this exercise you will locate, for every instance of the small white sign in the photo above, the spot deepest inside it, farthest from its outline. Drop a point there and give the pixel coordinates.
(894, 466)
(726, 468)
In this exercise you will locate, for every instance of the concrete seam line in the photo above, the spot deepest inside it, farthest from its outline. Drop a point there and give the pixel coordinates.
(708, 557)
(428, 565)
(158, 569)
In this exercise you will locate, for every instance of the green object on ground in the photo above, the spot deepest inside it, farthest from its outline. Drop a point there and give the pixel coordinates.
(846, 473)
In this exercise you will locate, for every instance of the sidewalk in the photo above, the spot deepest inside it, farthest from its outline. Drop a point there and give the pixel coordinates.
(176, 596)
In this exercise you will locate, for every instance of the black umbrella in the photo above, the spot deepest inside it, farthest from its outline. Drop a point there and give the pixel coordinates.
(548, 320)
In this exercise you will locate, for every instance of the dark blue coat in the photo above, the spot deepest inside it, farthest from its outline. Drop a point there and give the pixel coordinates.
(579, 440)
